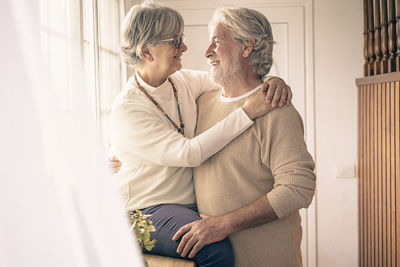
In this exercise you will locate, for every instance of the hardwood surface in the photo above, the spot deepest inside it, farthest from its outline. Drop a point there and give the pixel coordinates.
(379, 171)
(160, 261)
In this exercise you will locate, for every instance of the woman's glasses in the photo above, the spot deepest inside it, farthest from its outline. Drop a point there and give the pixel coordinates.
(177, 41)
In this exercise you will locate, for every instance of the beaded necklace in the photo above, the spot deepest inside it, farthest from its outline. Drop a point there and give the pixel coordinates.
(179, 129)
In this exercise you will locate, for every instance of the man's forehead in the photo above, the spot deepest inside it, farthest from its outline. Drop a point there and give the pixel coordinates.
(215, 36)
(218, 31)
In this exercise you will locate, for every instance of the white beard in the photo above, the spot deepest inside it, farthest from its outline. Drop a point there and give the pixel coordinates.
(223, 73)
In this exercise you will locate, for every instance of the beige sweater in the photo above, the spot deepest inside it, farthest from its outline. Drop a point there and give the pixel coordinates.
(155, 157)
(270, 158)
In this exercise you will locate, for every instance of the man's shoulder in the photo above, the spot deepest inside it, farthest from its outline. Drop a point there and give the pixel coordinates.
(278, 118)
(213, 94)
(282, 113)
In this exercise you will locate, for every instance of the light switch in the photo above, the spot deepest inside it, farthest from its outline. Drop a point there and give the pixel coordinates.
(346, 171)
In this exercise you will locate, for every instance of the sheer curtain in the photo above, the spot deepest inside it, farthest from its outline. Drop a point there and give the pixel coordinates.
(58, 207)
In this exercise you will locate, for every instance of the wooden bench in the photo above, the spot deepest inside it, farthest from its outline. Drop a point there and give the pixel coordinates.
(161, 261)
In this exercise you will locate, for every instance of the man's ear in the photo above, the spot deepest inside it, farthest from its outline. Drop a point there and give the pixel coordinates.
(147, 53)
(248, 48)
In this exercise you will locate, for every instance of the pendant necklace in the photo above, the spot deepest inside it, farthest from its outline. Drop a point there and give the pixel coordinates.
(179, 129)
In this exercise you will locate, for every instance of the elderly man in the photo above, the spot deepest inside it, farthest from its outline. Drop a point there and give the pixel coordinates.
(251, 190)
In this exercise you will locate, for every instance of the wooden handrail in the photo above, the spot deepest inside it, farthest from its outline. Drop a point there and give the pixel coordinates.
(381, 37)
(387, 77)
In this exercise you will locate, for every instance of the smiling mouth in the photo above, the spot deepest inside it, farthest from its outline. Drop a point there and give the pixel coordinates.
(214, 62)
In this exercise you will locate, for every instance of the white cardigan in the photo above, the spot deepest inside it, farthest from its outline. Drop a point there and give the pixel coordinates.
(156, 159)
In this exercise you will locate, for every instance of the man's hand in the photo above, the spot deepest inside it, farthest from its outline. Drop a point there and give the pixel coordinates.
(277, 91)
(197, 234)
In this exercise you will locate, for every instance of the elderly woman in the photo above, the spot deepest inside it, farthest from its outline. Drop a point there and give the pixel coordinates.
(153, 123)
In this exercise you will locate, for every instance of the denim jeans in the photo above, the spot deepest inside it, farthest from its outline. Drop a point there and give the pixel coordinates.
(168, 219)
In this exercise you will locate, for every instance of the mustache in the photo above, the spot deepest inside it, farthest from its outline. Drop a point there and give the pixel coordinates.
(212, 59)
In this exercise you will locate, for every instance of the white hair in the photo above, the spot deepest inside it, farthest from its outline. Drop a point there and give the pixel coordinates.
(147, 23)
(249, 25)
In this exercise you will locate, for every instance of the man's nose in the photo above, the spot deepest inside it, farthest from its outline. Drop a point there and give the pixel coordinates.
(210, 50)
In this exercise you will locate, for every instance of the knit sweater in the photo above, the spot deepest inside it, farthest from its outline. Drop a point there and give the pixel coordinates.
(155, 157)
(270, 158)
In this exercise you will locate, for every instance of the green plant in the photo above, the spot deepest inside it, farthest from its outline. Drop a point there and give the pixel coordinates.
(142, 227)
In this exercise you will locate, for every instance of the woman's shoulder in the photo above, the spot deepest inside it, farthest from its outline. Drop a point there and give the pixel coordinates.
(130, 97)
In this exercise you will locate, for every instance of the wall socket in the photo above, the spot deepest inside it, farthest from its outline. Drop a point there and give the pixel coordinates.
(346, 171)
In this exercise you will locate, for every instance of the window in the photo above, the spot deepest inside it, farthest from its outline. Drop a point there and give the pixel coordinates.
(93, 26)
(59, 32)
(101, 24)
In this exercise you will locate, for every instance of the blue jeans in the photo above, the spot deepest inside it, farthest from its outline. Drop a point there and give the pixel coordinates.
(168, 219)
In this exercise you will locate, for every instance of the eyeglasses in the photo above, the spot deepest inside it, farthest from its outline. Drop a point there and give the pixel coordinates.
(177, 41)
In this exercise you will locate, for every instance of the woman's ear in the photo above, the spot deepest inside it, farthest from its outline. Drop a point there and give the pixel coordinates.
(248, 48)
(147, 53)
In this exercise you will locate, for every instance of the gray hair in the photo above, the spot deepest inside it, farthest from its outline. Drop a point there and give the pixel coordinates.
(247, 24)
(147, 23)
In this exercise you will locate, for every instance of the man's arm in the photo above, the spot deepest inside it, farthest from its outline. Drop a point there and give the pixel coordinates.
(284, 152)
(213, 229)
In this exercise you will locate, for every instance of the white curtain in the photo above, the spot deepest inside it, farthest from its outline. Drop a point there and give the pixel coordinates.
(58, 206)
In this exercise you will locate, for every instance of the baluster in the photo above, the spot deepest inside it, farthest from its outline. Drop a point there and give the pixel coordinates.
(365, 34)
(384, 42)
(398, 36)
(377, 34)
(392, 37)
(371, 52)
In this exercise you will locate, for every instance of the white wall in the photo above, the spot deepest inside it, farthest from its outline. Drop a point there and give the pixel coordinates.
(338, 61)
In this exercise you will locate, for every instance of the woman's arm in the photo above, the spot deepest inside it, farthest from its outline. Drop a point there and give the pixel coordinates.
(277, 92)
(139, 132)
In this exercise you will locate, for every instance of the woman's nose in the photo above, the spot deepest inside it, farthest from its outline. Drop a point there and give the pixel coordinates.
(183, 47)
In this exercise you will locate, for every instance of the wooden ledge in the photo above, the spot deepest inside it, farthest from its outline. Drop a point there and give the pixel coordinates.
(382, 78)
(158, 261)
